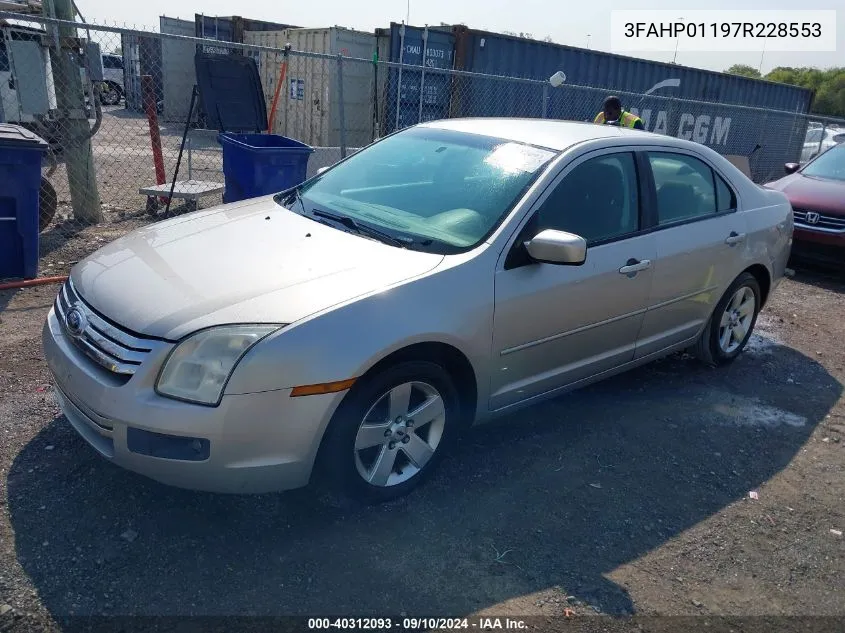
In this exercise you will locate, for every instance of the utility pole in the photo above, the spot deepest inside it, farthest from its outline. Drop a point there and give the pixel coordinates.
(73, 120)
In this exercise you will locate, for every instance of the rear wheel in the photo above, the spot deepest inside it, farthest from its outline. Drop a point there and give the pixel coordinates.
(390, 432)
(729, 328)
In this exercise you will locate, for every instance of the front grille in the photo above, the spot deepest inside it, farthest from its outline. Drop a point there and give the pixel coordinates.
(110, 347)
(825, 222)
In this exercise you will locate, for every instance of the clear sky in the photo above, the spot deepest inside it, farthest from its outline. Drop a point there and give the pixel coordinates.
(566, 21)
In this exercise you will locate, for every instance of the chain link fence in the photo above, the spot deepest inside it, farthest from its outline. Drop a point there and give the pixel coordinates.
(113, 103)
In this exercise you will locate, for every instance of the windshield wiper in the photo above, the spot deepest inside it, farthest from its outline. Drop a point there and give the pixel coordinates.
(362, 229)
(295, 196)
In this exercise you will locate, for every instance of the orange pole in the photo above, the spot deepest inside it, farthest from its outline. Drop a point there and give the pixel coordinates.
(149, 99)
(11, 285)
(282, 73)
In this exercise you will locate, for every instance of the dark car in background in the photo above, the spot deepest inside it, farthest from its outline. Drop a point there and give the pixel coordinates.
(817, 193)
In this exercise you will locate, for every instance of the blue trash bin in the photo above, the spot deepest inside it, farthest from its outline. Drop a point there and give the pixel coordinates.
(20, 181)
(261, 164)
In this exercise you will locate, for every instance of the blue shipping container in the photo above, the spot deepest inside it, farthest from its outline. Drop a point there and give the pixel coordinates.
(495, 54)
(421, 96)
(725, 115)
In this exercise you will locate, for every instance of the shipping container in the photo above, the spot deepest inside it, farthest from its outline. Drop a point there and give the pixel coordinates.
(420, 95)
(649, 88)
(496, 54)
(231, 29)
(178, 74)
(309, 100)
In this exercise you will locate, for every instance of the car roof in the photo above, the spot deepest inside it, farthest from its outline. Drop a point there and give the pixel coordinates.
(553, 134)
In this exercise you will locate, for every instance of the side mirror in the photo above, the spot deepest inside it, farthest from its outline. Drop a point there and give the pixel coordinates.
(791, 168)
(557, 247)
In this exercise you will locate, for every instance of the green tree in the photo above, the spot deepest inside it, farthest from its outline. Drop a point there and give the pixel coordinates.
(745, 70)
(828, 84)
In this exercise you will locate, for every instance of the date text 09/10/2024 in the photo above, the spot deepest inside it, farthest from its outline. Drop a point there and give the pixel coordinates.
(763, 30)
(416, 624)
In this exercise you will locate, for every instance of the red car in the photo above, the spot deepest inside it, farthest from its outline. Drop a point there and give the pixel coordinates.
(817, 194)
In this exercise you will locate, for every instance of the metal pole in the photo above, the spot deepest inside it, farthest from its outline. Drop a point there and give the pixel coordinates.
(73, 120)
(194, 94)
(545, 101)
(376, 117)
(149, 101)
(422, 73)
(340, 106)
(821, 138)
(401, 61)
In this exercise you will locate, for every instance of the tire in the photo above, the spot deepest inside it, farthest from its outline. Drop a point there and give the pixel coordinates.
(110, 94)
(711, 347)
(48, 201)
(351, 467)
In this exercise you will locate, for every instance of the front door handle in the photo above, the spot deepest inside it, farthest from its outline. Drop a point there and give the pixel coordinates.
(735, 238)
(634, 266)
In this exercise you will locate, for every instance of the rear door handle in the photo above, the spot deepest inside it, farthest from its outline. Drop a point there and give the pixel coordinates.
(735, 238)
(634, 266)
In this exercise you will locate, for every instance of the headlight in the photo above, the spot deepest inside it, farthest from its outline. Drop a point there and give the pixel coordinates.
(198, 369)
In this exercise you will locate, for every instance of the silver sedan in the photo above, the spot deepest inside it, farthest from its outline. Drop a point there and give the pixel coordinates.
(348, 330)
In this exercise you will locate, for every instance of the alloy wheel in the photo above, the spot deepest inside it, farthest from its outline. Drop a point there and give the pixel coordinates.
(737, 319)
(400, 434)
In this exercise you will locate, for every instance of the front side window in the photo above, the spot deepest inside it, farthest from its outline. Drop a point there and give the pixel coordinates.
(440, 190)
(687, 188)
(598, 200)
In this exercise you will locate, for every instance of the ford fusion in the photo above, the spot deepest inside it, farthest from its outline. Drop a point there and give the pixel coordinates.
(347, 330)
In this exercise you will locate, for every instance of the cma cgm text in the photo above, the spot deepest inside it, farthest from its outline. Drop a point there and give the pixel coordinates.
(703, 129)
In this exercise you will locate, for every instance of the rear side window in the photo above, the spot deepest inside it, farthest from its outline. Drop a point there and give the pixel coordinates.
(687, 188)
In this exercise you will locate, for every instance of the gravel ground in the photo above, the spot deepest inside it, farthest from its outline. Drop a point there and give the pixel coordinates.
(631, 496)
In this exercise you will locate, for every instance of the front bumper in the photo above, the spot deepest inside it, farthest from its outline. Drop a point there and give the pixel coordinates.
(252, 443)
(817, 245)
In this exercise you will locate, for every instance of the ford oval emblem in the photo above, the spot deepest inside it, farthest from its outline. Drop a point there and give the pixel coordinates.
(75, 321)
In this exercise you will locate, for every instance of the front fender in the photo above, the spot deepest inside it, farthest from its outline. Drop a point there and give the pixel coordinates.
(452, 306)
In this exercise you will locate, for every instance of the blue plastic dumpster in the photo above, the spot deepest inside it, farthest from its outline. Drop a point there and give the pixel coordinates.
(20, 180)
(261, 164)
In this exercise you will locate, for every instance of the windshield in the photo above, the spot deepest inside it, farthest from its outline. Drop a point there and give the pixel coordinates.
(830, 164)
(436, 190)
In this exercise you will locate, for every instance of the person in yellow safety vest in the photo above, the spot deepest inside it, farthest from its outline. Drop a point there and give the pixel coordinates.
(613, 114)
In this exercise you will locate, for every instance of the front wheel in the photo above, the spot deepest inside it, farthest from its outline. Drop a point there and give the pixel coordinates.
(729, 328)
(390, 432)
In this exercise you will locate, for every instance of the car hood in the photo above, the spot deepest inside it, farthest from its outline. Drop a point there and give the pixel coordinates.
(813, 193)
(252, 262)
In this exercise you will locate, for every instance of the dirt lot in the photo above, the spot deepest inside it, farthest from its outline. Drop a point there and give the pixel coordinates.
(628, 497)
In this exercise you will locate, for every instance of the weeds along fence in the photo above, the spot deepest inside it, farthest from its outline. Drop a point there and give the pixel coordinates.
(113, 104)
